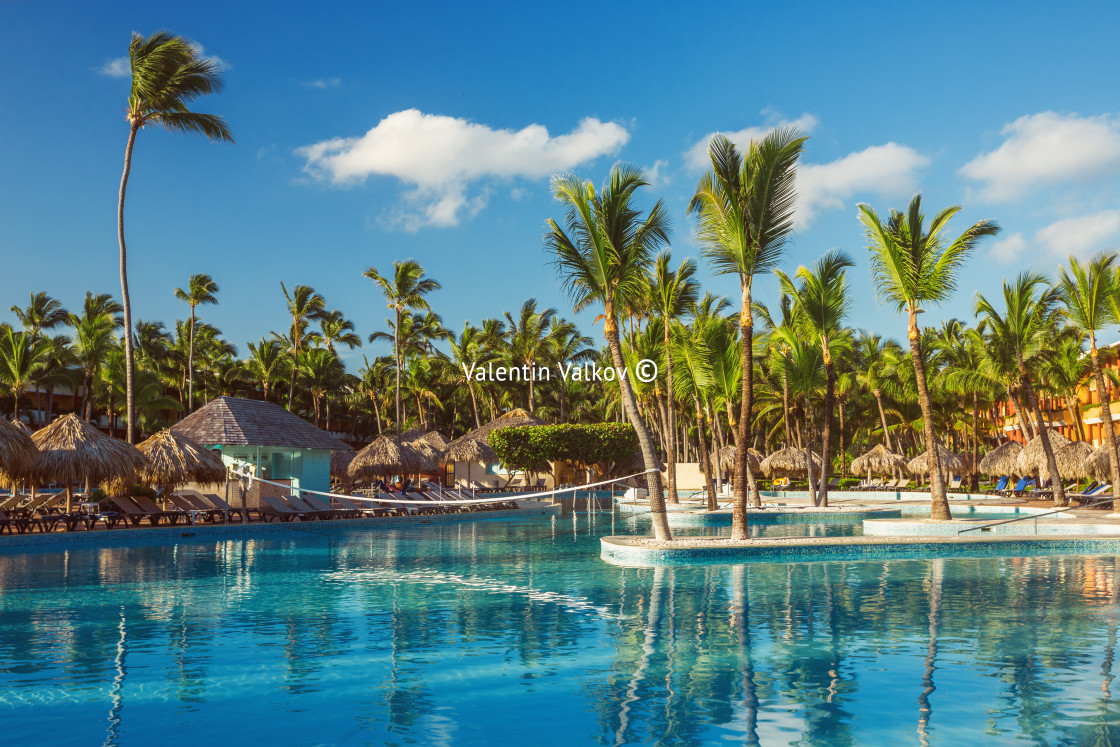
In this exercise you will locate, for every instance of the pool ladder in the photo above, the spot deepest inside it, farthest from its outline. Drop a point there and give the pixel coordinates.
(988, 527)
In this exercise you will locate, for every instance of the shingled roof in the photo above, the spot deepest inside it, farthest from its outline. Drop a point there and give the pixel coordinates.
(232, 421)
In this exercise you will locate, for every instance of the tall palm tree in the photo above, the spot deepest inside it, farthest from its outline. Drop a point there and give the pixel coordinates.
(167, 75)
(603, 256)
(336, 329)
(912, 267)
(567, 347)
(304, 306)
(201, 289)
(467, 351)
(672, 292)
(1088, 291)
(820, 304)
(321, 372)
(22, 359)
(876, 358)
(1026, 327)
(528, 338)
(265, 363)
(41, 313)
(404, 290)
(744, 208)
(93, 340)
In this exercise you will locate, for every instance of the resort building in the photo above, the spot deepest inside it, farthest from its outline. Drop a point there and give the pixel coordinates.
(281, 446)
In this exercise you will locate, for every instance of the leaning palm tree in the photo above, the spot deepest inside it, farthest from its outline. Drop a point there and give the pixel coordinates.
(911, 267)
(672, 292)
(603, 255)
(820, 304)
(745, 208)
(1026, 327)
(1088, 291)
(405, 289)
(200, 290)
(167, 75)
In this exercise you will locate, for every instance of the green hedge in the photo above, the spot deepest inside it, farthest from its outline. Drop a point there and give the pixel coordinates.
(529, 447)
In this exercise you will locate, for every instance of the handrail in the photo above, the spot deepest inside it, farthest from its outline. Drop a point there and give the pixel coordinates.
(1035, 516)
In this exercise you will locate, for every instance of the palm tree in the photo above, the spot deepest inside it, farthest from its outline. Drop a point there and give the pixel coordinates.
(467, 351)
(567, 347)
(167, 75)
(876, 358)
(93, 340)
(1087, 292)
(671, 293)
(304, 306)
(603, 258)
(200, 290)
(820, 304)
(406, 289)
(744, 207)
(321, 372)
(528, 337)
(43, 312)
(336, 329)
(265, 363)
(22, 359)
(911, 267)
(1026, 328)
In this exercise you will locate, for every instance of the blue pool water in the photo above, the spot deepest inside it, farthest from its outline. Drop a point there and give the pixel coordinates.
(514, 632)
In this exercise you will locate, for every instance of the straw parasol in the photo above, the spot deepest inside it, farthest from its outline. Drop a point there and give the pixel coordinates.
(71, 450)
(880, 460)
(727, 458)
(340, 467)
(1002, 460)
(17, 450)
(1097, 465)
(383, 458)
(789, 461)
(473, 447)
(1071, 460)
(435, 440)
(950, 462)
(1033, 456)
(174, 460)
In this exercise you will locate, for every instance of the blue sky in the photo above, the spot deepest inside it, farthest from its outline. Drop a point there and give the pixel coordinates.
(373, 132)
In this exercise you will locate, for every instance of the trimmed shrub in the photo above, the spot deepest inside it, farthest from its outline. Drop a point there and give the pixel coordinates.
(529, 447)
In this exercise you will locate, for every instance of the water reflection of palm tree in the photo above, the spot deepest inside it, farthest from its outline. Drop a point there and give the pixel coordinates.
(653, 624)
(925, 710)
(116, 694)
(740, 623)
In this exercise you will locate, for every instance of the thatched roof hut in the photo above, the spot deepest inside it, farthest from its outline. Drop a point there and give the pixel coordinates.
(71, 450)
(727, 458)
(1033, 456)
(950, 462)
(17, 450)
(1097, 465)
(1071, 460)
(385, 457)
(789, 461)
(878, 460)
(174, 460)
(1002, 460)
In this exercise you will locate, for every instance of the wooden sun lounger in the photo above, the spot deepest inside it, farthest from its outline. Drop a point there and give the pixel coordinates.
(274, 507)
(366, 509)
(319, 503)
(132, 512)
(172, 516)
(190, 508)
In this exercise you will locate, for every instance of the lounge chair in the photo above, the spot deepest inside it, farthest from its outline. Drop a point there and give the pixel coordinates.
(215, 500)
(272, 507)
(133, 513)
(955, 483)
(366, 509)
(888, 485)
(23, 523)
(172, 516)
(191, 509)
(1023, 486)
(1001, 485)
(319, 503)
(1094, 496)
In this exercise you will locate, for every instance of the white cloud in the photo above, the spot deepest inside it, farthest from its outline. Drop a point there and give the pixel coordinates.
(696, 157)
(1082, 235)
(517, 194)
(885, 170)
(323, 83)
(440, 156)
(1045, 149)
(1079, 237)
(1008, 249)
(654, 175)
(121, 67)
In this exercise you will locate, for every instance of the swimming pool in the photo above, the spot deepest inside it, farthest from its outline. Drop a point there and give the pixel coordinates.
(513, 631)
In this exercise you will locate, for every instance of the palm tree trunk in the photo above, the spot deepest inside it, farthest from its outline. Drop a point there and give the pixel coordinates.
(713, 428)
(705, 461)
(126, 302)
(843, 453)
(939, 502)
(826, 431)
(974, 479)
(397, 365)
(1106, 419)
(670, 448)
(745, 484)
(785, 407)
(883, 419)
(653, 475)
(1025, 423)
(190, 368)
(1043, 433)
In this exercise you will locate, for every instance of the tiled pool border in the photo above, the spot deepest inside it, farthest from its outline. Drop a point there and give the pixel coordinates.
(622, 550)
(134, 536)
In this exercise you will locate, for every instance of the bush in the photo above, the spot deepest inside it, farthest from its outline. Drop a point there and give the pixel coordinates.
(529, 447)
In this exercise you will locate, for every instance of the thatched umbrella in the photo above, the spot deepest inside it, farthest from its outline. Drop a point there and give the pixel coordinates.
(950, 462)
(17, 450)
(1002, 460)
(727, 458)
(340, 467)
(383, 458)
(71, 450)
(1033, 457)
(435, 440)
(880, 460)
(1097, 465)
(474, 447)
(174, 460)
(1071, 460)
(789, 461)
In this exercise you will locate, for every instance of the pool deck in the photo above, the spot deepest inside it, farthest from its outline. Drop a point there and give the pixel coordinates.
(161, 535)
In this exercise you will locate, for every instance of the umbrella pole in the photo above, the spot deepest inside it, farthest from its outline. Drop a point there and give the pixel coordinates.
(68, 496)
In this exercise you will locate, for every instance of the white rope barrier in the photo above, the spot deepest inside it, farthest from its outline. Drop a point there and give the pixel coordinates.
(571, 490)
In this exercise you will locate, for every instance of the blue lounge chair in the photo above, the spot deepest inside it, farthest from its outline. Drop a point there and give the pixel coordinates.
(1001, 485)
